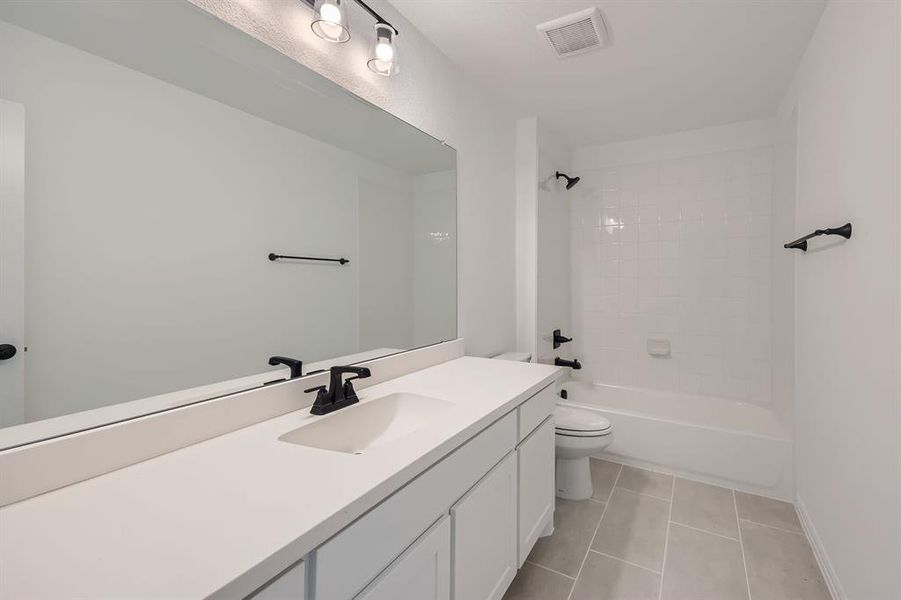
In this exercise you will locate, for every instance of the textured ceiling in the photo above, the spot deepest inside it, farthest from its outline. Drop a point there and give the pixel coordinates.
(673, 65)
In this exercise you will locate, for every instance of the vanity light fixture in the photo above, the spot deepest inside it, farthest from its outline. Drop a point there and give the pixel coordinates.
(383, 59)
(330, 22)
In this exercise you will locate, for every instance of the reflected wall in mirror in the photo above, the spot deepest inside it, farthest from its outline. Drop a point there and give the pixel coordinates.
(152, 159)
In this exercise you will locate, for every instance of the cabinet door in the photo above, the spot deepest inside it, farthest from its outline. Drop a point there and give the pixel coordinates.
(535, 457)
(484, 530)
(422, 572)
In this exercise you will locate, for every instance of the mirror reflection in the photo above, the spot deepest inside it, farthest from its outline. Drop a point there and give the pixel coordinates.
(146, 184)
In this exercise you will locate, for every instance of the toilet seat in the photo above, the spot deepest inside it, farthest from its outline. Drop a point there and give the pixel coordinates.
(574, 422)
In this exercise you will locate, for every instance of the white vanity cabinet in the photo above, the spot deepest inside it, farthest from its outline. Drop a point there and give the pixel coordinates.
(458, 531)
(484, 526)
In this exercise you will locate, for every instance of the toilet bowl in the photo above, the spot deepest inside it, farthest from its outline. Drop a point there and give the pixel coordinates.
(579, 434)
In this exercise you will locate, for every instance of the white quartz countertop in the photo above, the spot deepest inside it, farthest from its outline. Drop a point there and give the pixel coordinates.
(223, 516)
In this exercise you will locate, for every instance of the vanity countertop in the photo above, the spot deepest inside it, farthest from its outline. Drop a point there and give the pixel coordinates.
(224, 516)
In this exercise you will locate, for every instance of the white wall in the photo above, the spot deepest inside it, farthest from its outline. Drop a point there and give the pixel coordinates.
(526, 152)
(432, 94)
(554, 265)
(848, 405)
(672, 239)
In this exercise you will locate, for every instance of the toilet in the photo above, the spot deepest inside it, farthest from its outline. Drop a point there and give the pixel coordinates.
(579, 434)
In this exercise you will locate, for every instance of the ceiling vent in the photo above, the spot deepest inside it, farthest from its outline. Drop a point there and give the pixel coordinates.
(576, 33)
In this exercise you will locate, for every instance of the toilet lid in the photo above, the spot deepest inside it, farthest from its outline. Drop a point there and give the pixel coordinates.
(575, 420)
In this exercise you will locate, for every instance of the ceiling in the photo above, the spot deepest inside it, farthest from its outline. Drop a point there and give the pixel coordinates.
(674, 65)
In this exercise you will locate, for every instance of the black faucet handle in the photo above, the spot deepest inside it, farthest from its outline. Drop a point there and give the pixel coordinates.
(314, 389)
(361, 373)
(295, 365)
(338, 371)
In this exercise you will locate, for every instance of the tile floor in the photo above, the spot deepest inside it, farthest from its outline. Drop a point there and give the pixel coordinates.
(652, 536)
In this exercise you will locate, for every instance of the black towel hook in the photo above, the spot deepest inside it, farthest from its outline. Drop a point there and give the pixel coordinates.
(801, 243)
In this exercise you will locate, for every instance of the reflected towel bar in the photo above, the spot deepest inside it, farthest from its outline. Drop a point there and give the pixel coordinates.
(801, 243)
(343, 261)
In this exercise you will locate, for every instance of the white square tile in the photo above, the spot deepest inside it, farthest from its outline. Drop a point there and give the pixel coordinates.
(668, 250)
(628, 215)
(761, 160)
(648, 214)
(647, 232)
(629, 233)
(647, 250)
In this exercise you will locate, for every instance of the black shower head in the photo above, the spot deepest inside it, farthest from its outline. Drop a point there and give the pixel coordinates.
(570, 181)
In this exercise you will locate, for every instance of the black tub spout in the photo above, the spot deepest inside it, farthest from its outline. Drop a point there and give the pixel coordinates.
(572, 364)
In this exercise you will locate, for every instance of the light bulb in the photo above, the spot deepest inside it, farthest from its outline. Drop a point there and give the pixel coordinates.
(384, 52)
(330, 13)
(330, 21)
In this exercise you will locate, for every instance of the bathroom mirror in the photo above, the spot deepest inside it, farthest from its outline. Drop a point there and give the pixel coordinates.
(152, 158)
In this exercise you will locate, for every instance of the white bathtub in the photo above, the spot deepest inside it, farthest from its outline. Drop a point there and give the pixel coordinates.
(739, 445)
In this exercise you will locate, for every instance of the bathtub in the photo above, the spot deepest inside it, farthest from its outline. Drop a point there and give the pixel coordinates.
(720, 441)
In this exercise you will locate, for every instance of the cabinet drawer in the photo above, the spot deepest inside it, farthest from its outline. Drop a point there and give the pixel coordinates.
(535, 410)
(371, 542)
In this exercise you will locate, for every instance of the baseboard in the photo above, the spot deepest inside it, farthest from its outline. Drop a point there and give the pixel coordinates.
(819, 552)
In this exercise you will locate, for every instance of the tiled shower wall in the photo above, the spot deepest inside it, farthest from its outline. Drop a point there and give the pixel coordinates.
(676, 249)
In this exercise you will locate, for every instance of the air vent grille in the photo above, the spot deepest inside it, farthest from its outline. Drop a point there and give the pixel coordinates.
(576, 33)
(573, 38)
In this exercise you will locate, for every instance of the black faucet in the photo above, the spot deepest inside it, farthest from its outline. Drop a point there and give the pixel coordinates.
(295, 365)
(560, 339)
(340, 392)
(572, 364)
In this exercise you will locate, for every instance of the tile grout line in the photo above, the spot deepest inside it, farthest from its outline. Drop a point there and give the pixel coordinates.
(776, 527)
(572, 590)
(699, 530)
(669, 518)
(632, 564)
(551, 570)
(625, 489)
(741, 544)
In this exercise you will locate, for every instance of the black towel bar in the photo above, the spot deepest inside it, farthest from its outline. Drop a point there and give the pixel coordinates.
(343, 261)
(801, 243)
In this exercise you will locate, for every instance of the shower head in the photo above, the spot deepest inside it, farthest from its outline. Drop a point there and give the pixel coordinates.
(570, 181)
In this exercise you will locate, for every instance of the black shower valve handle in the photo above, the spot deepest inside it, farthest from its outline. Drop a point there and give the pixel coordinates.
(559, 339)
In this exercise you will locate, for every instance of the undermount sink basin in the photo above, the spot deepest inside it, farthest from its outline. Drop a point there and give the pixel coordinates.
(363, 426)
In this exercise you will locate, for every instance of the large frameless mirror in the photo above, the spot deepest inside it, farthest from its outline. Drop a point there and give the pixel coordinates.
(180, 203)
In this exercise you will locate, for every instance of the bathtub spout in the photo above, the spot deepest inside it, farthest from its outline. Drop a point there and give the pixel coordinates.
(572, 364)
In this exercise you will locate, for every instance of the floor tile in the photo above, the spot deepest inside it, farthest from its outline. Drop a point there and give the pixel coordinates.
(702, 566)
(634, 529)
(646, 482)
(605, 578)
(574, 524)
(781, 565)
(603, 476)
(767, 511)
(535, 583)
(706, 507)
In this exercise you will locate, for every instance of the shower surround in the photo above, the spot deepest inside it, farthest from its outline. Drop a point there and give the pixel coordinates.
(672, 238)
